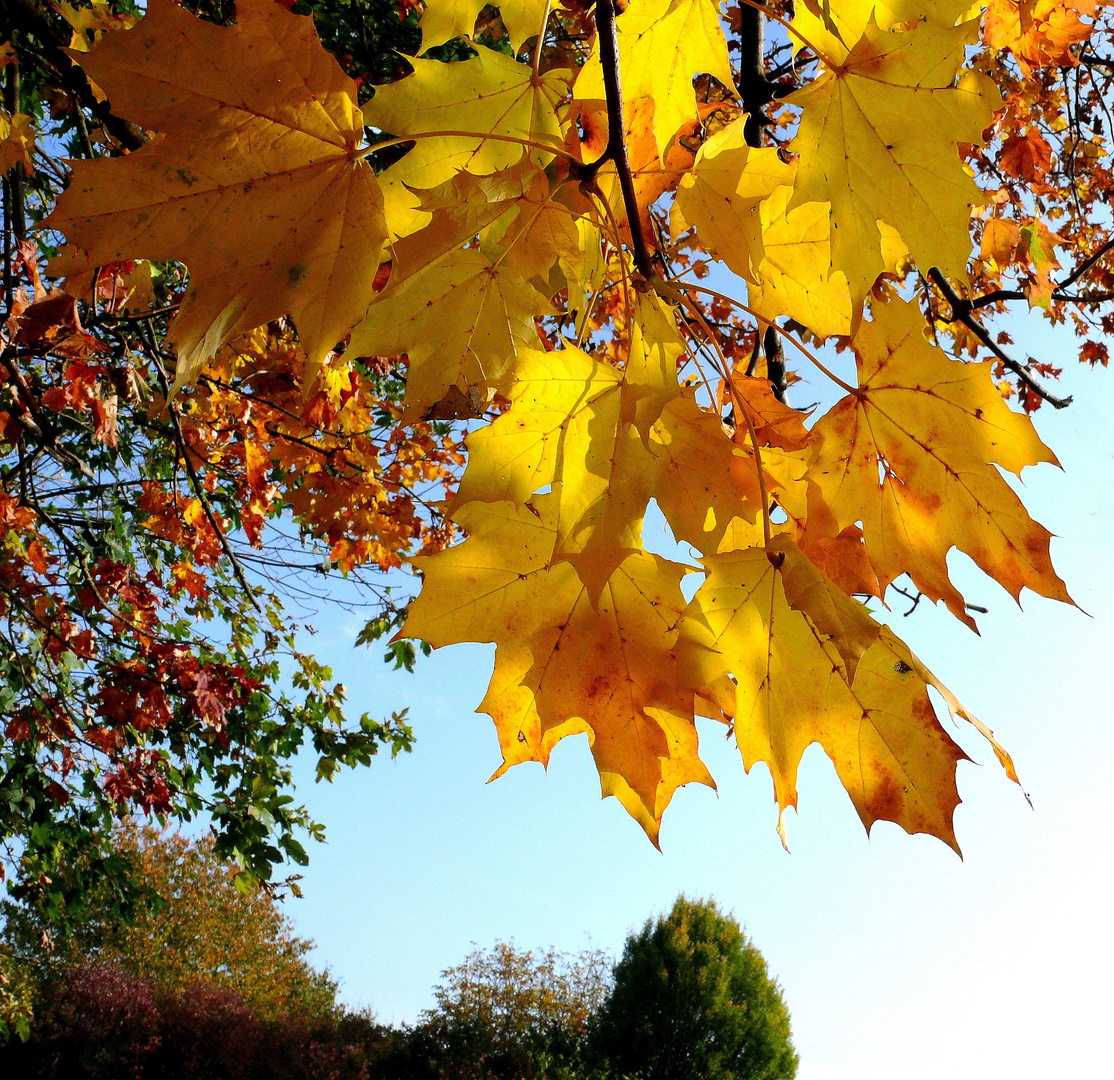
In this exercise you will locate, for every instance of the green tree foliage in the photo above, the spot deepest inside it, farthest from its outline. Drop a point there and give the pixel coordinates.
(197, 928)
(506, 1014)
(16, 995)
(692, 998)
(149, 657)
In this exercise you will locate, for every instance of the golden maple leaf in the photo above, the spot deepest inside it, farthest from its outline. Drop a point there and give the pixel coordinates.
(17, 141)
(706, 484)
(662, 45)
(443, 20)
(446, 217)
(566, 664)
(570, 426)
(255, 182)
(464, 104)
(462, 321)
(796, 276)
(809, 665)
(720, 197)
(934, 428)
(586, 428)
(878, 142)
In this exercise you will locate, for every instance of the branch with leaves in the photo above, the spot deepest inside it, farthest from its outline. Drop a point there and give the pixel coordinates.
(506, 242)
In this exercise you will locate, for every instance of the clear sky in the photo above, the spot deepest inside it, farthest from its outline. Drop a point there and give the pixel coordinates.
(898, 960)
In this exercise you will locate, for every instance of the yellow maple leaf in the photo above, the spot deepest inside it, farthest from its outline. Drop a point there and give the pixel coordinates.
(443, 20)
(462, 321)
(878, 141)
(17, 141)
(490, 94)
(833, 31)
(721, 194)
(809, 665)
(796, 276)
(539, 231)
(255, 182)
(557, 399)
(524, 19)
(584, 427)
(563, 663)
(90, 23)
(662, 45)
(706, 483)
(935, 428)
(450, 215)
(569, 425)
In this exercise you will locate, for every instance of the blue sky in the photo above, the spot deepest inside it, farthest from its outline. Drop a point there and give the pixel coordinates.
(897, 959)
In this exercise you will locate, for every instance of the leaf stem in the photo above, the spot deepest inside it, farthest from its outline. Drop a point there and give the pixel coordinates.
(541, 39)
(740, 407)
(777, 329)
(558, 151)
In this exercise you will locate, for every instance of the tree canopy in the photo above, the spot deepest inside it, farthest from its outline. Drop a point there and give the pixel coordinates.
(692, 997)
(158, 561)
(196, 928)
(515, 1014)
(316, 306)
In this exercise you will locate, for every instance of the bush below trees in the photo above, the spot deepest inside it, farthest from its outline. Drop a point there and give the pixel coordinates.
(102, 1023)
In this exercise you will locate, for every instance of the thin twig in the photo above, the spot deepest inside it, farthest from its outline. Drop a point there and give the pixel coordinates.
(961, 313)
(998, 295)
(36, 422)
(199, 491)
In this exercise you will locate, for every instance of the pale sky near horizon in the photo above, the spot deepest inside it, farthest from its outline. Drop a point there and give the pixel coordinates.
(898, 960)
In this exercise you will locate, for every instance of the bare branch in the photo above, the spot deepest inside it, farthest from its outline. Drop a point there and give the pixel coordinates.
(616, 132)
(961, 313)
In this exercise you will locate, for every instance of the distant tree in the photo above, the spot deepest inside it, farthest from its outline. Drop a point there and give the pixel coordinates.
(198, 926)
(510, 1014)
(692, 999)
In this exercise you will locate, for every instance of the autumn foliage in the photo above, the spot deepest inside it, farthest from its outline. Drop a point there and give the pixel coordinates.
(524, 236)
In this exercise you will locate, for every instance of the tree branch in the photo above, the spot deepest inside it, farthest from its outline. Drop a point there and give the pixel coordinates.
(40, 25)
(1088, 264)
(1085, 266)
(199, 490)
(754, 87)
(616, 132)
(961, 313)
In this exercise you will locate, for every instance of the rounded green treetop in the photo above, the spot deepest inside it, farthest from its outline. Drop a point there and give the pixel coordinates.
(692, 998)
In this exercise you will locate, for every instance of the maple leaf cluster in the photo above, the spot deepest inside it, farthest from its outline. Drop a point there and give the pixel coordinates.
(522, 230)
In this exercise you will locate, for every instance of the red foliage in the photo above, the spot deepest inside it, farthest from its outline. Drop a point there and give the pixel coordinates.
(100, 1023)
